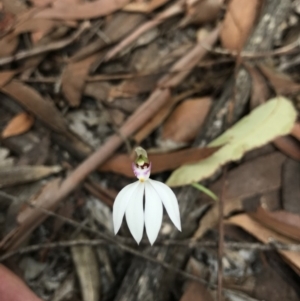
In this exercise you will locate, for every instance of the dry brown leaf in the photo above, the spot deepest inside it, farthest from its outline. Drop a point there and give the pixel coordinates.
(265, 235)
(260, 90)
(15, 175)
(133, 87)
(202, 12)
(144, 7)
(296, 130)
(8, 44)
(33, 25)
(12, 288)
(87, 10)
(238, 23)
(196, 291)
(252, 178)
(283, 222)
(48, 114)
(186, 120)
(38, 28)
(97, 90)
(289, 146)
(20, 124)
(160, 162)
(35, 103)
(7, 21)
(281, 83)
(255, 177)
(157, 120)
(14, 6)
(6, 76)
(73, 79)
(87, 269)
(290, 186)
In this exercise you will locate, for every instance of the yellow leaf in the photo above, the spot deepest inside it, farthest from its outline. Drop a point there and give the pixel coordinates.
(268, 121)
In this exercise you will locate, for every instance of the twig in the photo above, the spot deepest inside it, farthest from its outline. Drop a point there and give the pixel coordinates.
(44, 48)
(184, 244)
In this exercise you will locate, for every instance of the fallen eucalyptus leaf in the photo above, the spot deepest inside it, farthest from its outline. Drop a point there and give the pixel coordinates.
(20, 124)
(87, 269)
(15, 175)
(266, 122)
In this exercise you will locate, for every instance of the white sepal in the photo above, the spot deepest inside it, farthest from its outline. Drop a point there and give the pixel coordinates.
(135, 213)
(169, 200)
(153, 212)
(121, 202)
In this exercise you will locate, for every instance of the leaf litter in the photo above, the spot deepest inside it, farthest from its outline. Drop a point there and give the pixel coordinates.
(85, 82)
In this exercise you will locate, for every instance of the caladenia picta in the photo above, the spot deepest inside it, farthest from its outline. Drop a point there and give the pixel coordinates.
(130, 202)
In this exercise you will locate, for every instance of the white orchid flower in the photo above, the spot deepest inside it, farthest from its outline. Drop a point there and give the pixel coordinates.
(130, 201)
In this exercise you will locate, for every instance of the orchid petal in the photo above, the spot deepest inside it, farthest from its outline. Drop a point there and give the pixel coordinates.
(169, 200)
(121, 203)
(135, 213)
(153, 212)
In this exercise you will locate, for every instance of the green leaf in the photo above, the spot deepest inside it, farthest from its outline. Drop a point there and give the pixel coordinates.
(205, 190)
(268, 121)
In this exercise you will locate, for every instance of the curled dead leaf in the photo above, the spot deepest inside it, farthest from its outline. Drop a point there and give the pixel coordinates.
(20, 124)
